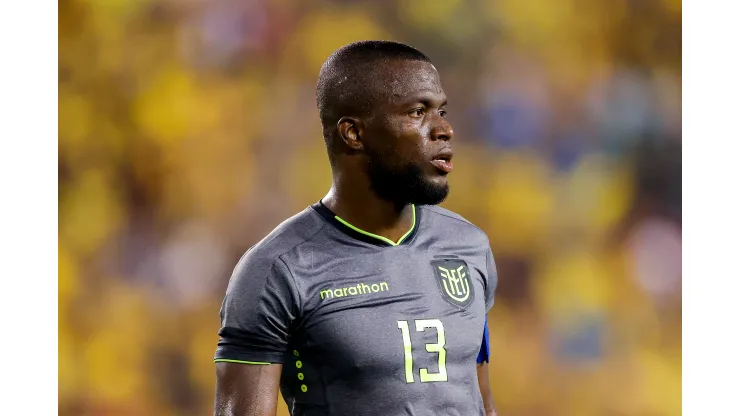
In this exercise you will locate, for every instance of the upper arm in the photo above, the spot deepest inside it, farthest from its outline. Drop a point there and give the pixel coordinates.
(482, 368)
(482, 365)
(247, 390)
(258, 312)
(485, 388)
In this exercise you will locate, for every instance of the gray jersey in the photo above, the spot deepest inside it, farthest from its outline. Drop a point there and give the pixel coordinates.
(364, 325)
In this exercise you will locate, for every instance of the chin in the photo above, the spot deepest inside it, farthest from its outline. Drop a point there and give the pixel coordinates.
(411, 185)
(439, 179)
(434, 192)
(437, 182)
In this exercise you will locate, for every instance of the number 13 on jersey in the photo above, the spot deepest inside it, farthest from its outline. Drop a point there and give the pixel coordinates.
(424, 374)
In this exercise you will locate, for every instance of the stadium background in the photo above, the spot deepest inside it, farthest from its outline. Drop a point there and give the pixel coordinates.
(188, 130)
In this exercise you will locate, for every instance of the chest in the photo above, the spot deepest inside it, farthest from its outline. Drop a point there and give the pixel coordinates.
(401, 313)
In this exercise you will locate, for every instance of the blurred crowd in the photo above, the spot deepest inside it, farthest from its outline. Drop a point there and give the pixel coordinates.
(188, 130)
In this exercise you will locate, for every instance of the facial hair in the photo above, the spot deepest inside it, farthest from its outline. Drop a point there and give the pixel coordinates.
(404, 183)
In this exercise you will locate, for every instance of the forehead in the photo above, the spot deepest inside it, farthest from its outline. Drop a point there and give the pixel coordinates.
(407, 80)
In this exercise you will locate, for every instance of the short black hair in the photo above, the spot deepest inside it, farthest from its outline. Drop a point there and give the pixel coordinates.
(348, 80)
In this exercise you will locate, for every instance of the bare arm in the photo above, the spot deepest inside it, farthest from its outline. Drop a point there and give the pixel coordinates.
(485, 388)
(246, 389)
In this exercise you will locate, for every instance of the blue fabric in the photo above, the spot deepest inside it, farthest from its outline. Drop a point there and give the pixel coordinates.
(485, 348)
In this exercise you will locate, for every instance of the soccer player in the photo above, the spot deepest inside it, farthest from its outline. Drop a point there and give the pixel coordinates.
(372, 301)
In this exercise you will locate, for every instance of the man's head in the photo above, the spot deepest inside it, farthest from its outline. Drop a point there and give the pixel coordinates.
(383, 111)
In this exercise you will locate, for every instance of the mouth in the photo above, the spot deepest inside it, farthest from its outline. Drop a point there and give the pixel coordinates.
(443, 161)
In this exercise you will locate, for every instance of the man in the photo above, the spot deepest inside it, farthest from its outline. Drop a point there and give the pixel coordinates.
(372, 301)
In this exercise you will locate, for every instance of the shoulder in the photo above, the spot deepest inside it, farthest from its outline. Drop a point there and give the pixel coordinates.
(291, 233)
(449, 221)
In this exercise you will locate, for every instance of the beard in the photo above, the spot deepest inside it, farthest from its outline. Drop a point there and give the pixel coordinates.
(404, 184)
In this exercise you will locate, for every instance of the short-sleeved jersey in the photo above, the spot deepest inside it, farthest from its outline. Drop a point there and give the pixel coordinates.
(364, 325)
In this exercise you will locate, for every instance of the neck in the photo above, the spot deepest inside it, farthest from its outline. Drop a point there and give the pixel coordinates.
(353, 200)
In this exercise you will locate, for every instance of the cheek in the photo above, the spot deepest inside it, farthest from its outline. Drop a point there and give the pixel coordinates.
(403, 142)
(414, 138)
(418, 147)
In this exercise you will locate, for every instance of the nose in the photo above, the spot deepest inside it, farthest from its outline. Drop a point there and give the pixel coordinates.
(442, 129)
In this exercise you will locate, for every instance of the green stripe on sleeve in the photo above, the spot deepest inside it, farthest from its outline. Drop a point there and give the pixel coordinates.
(221, 360)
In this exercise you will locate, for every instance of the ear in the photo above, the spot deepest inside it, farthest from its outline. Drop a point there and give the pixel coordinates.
(350, 130)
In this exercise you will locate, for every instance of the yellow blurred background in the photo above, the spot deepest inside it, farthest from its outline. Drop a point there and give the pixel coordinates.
(188, 130)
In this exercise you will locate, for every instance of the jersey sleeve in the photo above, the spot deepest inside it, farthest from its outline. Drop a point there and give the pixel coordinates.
(492, 279)
(485, 347)
(258, 311)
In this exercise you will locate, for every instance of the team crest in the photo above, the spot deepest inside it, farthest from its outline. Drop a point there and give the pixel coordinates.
(454, 280)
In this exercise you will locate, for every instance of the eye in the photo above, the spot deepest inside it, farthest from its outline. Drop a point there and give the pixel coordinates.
(443, 113)
(417, 112)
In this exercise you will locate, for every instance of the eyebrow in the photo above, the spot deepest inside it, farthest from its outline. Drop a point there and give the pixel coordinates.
(424, 98)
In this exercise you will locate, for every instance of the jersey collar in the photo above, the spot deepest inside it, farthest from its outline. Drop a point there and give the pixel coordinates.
(363, 235)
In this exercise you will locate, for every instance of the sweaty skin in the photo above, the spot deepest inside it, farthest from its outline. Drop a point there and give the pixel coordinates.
(406, 131)
(247, 390)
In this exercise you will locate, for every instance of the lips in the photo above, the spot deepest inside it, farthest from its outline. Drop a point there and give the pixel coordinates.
(443, 161)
